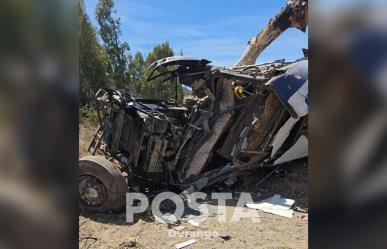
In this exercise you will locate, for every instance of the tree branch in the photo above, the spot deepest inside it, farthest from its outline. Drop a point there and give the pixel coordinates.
(293, 15)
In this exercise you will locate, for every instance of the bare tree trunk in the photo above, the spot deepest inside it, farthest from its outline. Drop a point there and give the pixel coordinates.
(293, 15)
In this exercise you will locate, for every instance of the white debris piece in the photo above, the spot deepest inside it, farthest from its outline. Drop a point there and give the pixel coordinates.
(275, 205)
(195, 220)
(179, 228)
(167, 217)
(185, 244)
(194, 223)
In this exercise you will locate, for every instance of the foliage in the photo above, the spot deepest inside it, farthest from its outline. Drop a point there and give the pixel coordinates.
(157, 89)
(117, 51)
(89, 114)
(110, 63)
(137, 67)
(154, 89)
(92, 59)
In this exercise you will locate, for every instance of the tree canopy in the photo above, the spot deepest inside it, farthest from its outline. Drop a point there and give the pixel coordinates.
(106, 61)
(109, 30)
(93, 59)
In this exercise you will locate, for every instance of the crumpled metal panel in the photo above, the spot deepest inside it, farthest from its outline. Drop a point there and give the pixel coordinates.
(292, 88)
(263, 126)
(203, 154)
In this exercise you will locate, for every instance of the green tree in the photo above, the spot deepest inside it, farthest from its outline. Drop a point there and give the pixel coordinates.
(117, 51)
(160, 51)
(92, 59)
(158, 89)
(137, 67)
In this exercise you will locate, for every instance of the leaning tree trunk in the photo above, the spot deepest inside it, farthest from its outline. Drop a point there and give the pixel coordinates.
(293, 15)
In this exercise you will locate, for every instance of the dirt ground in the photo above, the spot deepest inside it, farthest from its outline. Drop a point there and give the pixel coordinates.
(290, 181)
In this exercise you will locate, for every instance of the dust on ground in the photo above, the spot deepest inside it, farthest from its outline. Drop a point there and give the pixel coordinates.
(110, 230)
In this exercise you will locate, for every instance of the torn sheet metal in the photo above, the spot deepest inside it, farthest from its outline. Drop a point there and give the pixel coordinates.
(292, 88)
(163, 144)
(298, 150)
(282, 134)
(204, 153)
(275, 205)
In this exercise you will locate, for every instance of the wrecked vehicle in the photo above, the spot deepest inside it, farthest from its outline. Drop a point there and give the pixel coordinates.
(235, 120)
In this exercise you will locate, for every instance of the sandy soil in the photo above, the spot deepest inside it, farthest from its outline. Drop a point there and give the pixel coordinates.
(112, 231)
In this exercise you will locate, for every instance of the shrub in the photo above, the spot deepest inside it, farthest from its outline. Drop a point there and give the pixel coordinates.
(88, 114)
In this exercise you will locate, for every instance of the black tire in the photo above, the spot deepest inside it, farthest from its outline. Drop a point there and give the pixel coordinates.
(111, 186)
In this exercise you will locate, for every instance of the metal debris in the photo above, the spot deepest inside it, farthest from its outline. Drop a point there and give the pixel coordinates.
(185, 244)
(162, 143)
(275, 205)
(235, 119)
(179, 228)
(132, 242)
(230, 181)
(194, 223)
(224, 235)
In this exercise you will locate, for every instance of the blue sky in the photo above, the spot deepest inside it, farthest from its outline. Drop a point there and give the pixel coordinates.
(213, 29)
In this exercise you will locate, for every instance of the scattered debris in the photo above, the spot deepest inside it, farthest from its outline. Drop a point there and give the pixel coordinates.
(235, 115)
(179, 228)
(172, 219)
(304, 217)
(275, 205)
(88, 237)
(238, 119)
(185, 244)
(301, 210)
(194, 223)
(265, 178)
(86, 244)
(224, 235)
(230, 181)
(195, 220)
(132, 242)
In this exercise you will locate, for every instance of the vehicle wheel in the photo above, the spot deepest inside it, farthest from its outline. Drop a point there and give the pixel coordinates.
(102, 187)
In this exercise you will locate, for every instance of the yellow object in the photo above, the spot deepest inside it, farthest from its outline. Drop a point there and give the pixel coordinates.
(238, 91)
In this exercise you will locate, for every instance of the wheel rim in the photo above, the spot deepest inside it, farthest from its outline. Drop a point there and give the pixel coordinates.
(92, 191)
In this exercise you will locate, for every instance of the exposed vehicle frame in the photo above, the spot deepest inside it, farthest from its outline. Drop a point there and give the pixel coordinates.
(235, 120)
